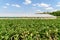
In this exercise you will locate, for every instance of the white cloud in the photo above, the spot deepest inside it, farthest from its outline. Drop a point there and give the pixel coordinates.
(27, 2)
(58, 4)
(34, 4)
(46, 6)
(54, 10)
(16, 5)
(49, 8)
(13, 5)
(4, 6)
(43, 5)
(38, 11)
(7, 4)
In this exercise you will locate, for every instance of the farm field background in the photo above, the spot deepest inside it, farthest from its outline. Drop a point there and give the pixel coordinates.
(30, 29)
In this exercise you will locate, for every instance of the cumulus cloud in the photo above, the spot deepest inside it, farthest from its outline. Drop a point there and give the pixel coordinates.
(49, 8)
(38, 11)
(54, 10)
(43, 5)
(4, 6)
(7, 4)
(16, 5)
(27, 2)
(58, 4)
(34, 4)
(13, 5)
(46, 6)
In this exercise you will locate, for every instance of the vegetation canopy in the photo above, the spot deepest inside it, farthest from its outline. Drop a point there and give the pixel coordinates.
(56, 13)
(30, 29)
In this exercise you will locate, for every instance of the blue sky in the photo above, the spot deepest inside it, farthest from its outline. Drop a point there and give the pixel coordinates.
(28, 6)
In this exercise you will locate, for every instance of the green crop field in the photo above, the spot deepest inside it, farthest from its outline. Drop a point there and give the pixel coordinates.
(30, 29)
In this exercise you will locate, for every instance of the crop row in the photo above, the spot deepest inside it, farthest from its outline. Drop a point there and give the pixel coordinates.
(29, 29)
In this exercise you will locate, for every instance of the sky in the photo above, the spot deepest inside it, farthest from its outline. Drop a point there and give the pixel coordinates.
(20, 7)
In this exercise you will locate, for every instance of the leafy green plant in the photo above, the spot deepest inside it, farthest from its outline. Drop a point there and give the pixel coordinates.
(30, 29)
